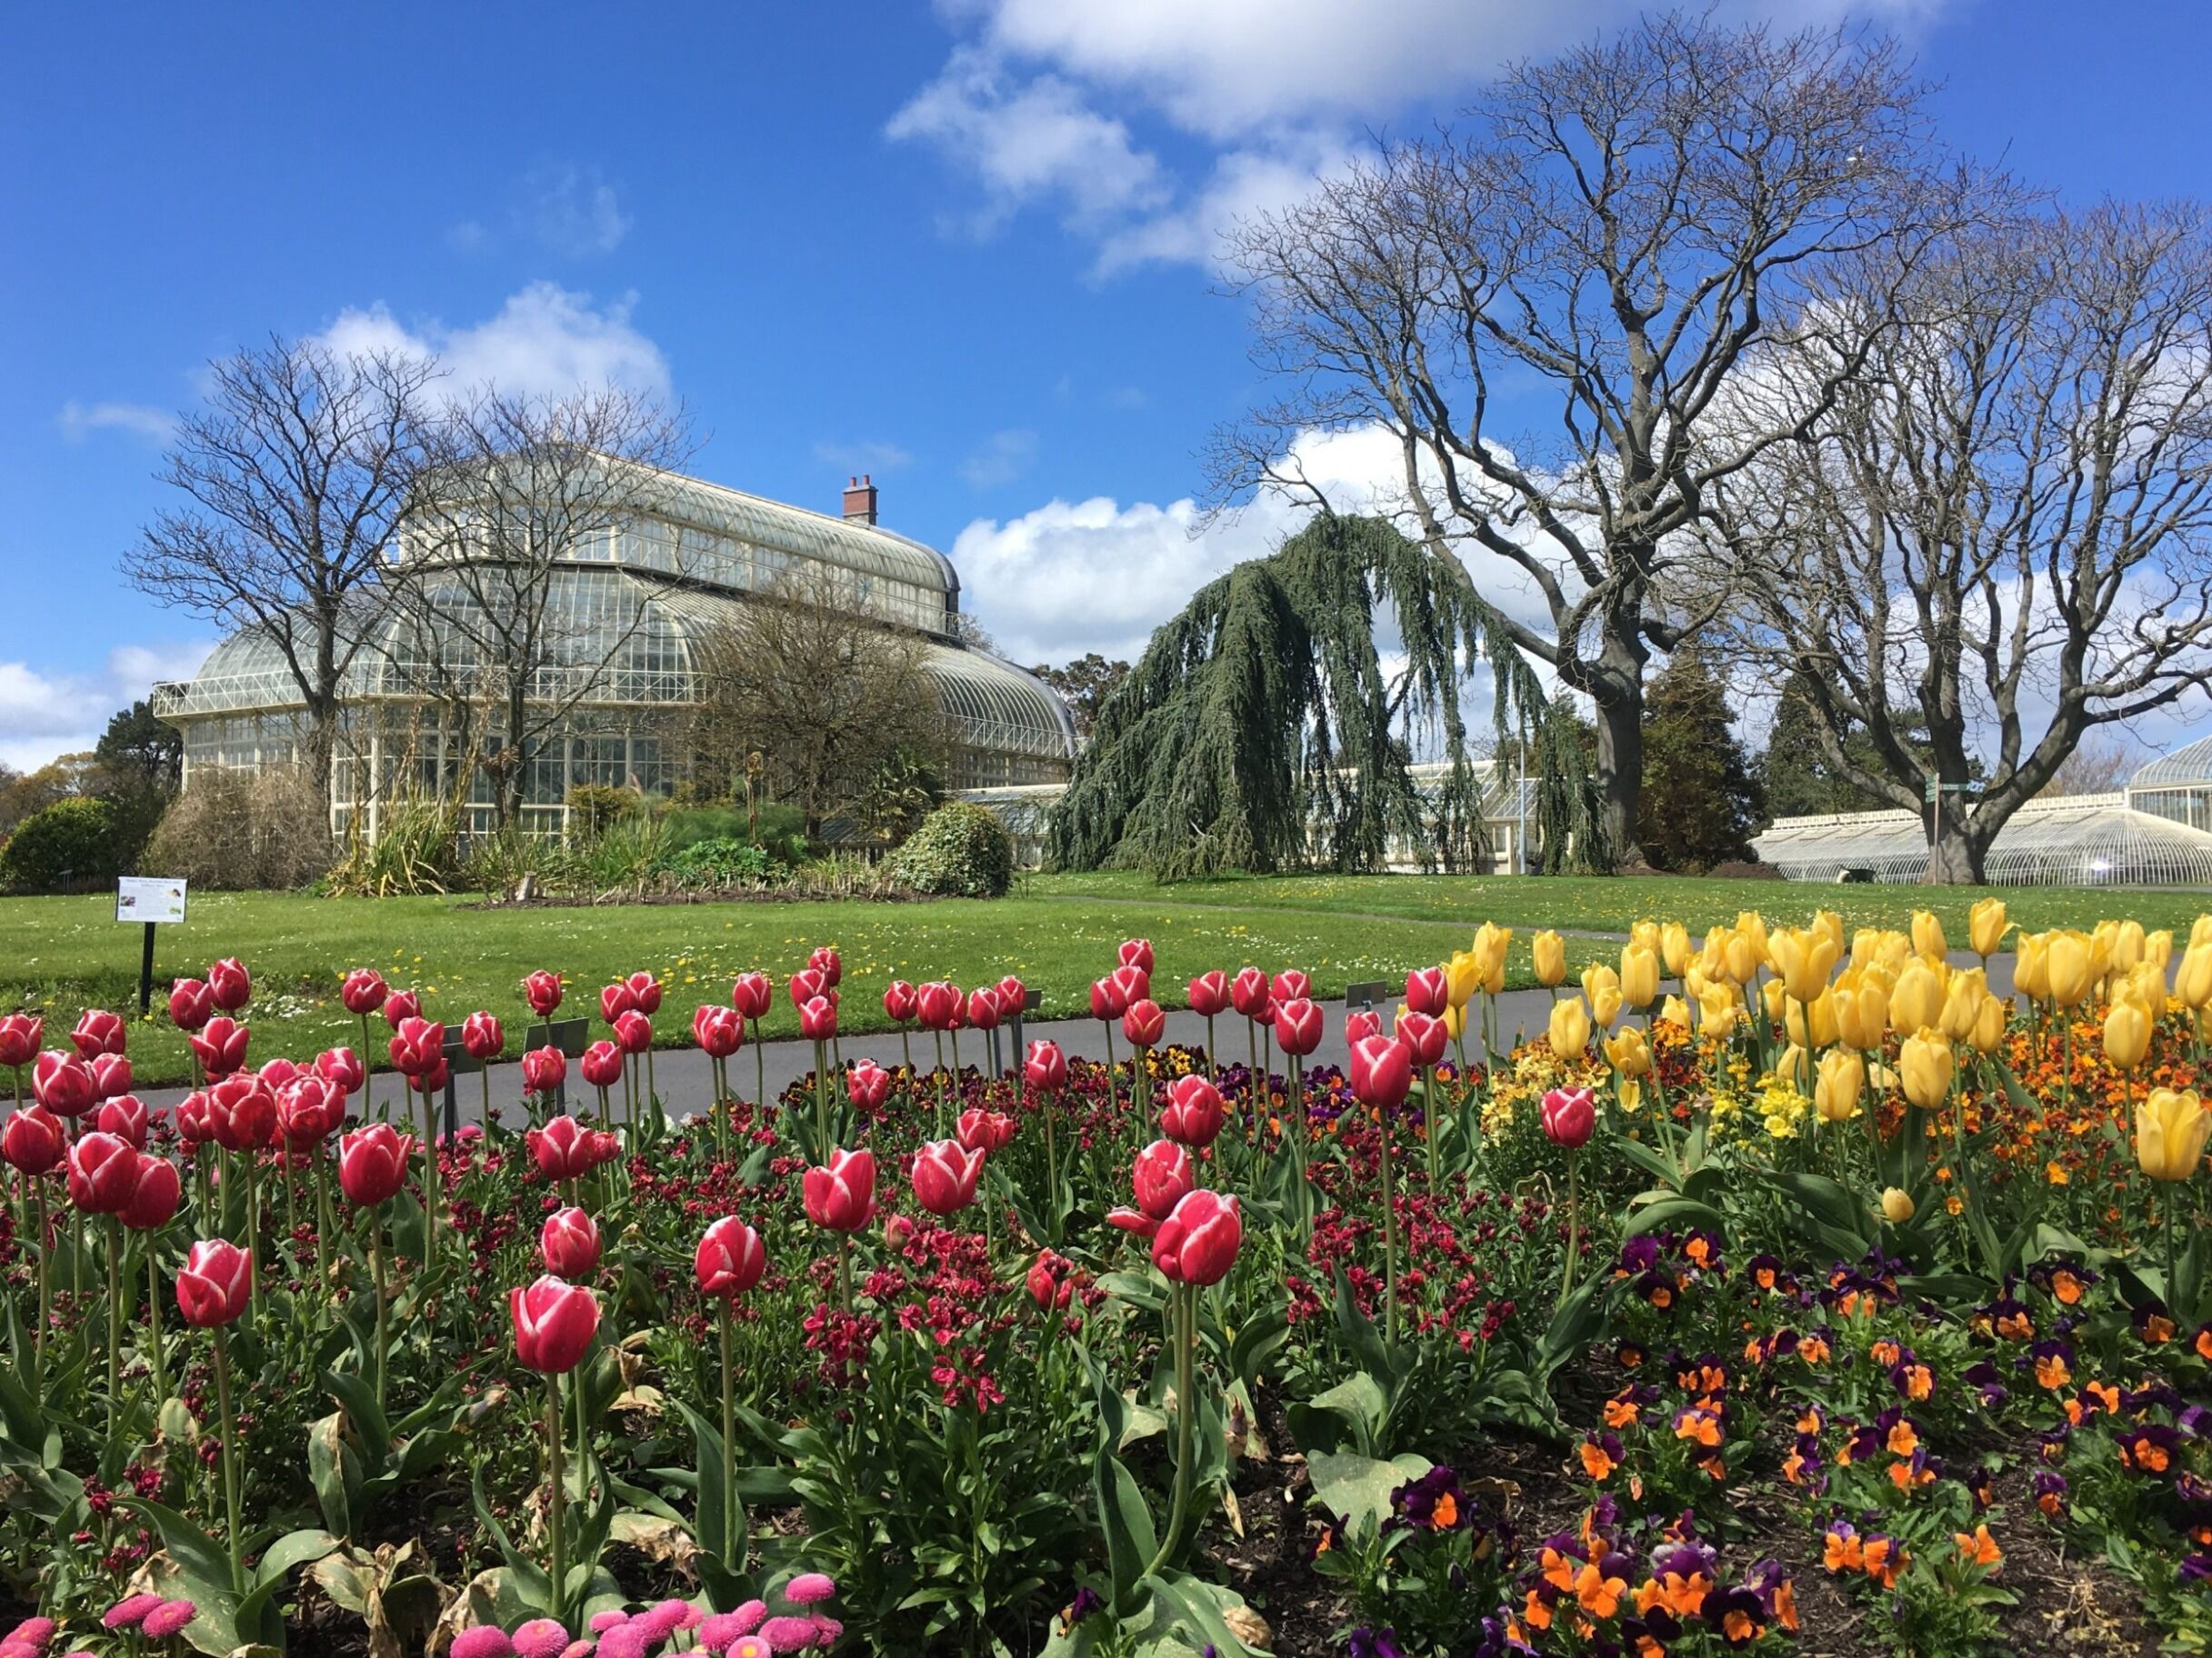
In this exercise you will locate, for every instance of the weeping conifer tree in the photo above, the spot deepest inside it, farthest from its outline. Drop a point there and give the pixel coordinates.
(1259, 731)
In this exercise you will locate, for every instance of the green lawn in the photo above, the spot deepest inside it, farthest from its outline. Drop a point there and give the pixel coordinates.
(59, 956)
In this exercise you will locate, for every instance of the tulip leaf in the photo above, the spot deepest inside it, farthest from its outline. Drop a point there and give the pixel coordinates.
(1135, 1289)
(1668, 1210)
(1131, 1542)
(334, 1471)
(528, 1577)
(1827, 1200)
(1354, 1487)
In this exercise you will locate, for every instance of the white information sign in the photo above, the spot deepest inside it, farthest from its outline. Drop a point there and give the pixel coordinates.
(149, 899)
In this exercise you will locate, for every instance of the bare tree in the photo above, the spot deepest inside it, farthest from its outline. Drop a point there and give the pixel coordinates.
(840, 708)
(2004, 523)
(1545, 304)
(519, 610)
(2100, 765)
(298, 472)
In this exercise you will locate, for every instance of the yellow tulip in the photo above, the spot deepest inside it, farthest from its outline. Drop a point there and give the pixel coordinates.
(1570, 1026)
(1717, 1009)
(1713, 955)
(1986, 925)
(1843, 1078)
(1865, 946)
(1961, 1002)
(1491, 943)
(2200, 931)
(1917, 999)
(1631, 1094)
(2031, 966)
(1645, 935)
(1741, 953)
(2071, 966)
(1829, 925)
(2127, 939)
(1639, 975)
(1803, 958)
(1462, 978)
(1627, 1052)
(2158, 949)
(1454, 1019)
(1602, 987)
(1675, 1011)
(2170, 1132)
(2144, 986)
(1675, 947)
(1991, 1022)
(1775, 995)
(2127, 1034)
(1928, 942)
(1752, 925)
(2103, 939)
(1813, 1024)
(1550, 951)
(1861, 1001)
(2193, 978)
(1896, 1206)
(1790, 1068)
(1926, 1066)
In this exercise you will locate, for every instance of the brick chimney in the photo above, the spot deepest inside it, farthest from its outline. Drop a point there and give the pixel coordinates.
(859, 500)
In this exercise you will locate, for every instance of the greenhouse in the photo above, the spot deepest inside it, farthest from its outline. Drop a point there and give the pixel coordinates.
(2177, 787)
(615, 620)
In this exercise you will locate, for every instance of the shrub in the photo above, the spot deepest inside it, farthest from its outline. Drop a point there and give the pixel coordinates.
(593, 808)
(416, 849)
(961, 849)
(232, 831)
(725, 861)
(70, 841)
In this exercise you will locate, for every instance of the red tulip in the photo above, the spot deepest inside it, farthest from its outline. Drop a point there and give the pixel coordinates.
(988, 1131)
(189, 1004)
(1423, 1037)
(752, 995)
(103, 1173)
(605, 1146)
(1193, 1115)
(568, 1243)
(1360, 1025)
(1013, 996)
(646, 993)
(34, 1141)
(1198, 1243)
(482, 1037)
(824, 961)
(544, 1070)
(1046, 1069)
(718, 1032)
(868, 1084)
(1209, 993)
(616, 1000)
(342, 1068)
(1134, 983)
(1143, 1023)
(64, 1084)
(1382, 1072)
(214, 1284)
(1291, 986)
(309, 1111)
(818, 1019)
(416, 1046)
(111, 1076)
(373, 1164)
(602, 1065)
(155, 1192)
(241, 1113)
(1051, 1281)
(99, 1032)
(124, 1116)
(229, 984)
(1135, 953)
(633, 1031)
(944, 1176)
(1427, 992)
(842, 1197)
(805, 984)
(729, 1259)
(901, 1002)
(1297, 1027)
(1162, 1175)
(402, 1005)
(20, 1034)
(279, 1074)
(1249, 992)
(983, 1007)
(1569, 1117)
(541, 991)
(554, 1325)
(1107, 1002)
(193, 1125)
(563, 1148)
(363, 992)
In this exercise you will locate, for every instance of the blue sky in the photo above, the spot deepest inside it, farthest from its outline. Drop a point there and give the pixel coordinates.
(965, 248)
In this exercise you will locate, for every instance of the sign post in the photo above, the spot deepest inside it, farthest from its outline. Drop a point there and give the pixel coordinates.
(152, 901)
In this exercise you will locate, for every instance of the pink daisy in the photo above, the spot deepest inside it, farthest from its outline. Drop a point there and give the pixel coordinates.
(129, 1612)
(788, 1635)
(167, 1618)
(540, 1638)
(485, 1641)
(808, 1587)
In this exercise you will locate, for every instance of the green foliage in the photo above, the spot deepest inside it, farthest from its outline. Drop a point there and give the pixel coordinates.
(1701, 800)
(961, 851)
(71, 842)
(1796, 776)
(703, 865)
(593, 808)
(416, 849)
(1259, 731)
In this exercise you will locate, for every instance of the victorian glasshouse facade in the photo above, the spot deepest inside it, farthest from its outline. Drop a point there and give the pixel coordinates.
(631, 603)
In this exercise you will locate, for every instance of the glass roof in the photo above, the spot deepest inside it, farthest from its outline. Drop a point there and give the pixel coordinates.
(2075, 840)
(2190, 763)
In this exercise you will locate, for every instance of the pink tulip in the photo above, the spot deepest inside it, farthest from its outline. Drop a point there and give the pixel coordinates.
(214, 1284)
(99, 1032)
(826, 961)
(544, 1070)
(633, 1031)
(1134, 952)
(1209, 993)
(373, 1164)
(1291, 986)
(482, 1037)
(644, 994)
(342, 1068)
(1107, 1002)
(1360, 1025)
(1194, 1113)
(616, 1000)
(1427, 992)
(103, 1173)
(229, 984)
(1382, 1072)
(939, 1005)
(1569, 1117)
(1297, 1027)
(64, 1084)
(1249, 992)
(363, 992)
(729, 1259)
(416, 1046)
(944, 1176)
(124, 1116)
(841, 1197)
(562, 1149)
(818, 1019)
(1425, 1038)
(901, 1002)
(568, 1243)
(189, 1004)
(805, 984)
(155, 1192)
(1144, 1023)
(1013, 996)
(402, 1005)
(1163, 1174)
(752, 995)
(988, 1131)
(983, 1007)
(554, 1325)
(242, 1113)
(33, 1142)
(541, 991)
(1198, 1243)
(868, 1084)
(1046, 1068)
(602, 1065)
(20, 1034)
(718, 1032)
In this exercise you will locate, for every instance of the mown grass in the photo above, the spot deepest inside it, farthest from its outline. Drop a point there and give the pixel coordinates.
(60, 955)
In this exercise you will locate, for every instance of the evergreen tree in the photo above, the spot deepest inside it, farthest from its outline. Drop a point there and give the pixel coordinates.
(1795, 771)
(1701, 800)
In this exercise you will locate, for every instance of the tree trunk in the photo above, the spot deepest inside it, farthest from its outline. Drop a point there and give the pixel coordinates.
(1955, 853)
(1616, 689)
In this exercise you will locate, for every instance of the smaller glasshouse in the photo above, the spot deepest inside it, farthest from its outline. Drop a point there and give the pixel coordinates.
(2155, 832)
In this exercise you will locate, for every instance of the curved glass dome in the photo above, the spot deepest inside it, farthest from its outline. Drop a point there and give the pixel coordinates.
(2074, 840)
(2189, 764)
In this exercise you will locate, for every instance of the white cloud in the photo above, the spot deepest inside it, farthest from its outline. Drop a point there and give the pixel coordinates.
(1001, 458)
(42, 716)
(1243, 183)
(80, 420)
(572, 210)
(545, 340)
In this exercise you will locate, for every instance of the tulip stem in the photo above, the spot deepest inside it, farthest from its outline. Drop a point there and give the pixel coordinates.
(1428, 1121)
(384, 1337)
(368, 1069)
(1113, 1094)
(1390, 1234)
(114, 1320)
(46, 1276)
(230, 1454)
(943, 1084)
(1183, 1334)
(732, 1526)
(557, 1499)
(430, 1181)
(253, 1230)
(161, 1369)
(760, 1071)
(322, 1216)
(1574, 1224)
(821, 1102)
